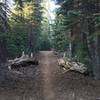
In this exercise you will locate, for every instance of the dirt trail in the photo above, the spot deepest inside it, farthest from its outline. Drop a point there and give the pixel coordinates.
(48, 64)
(47, 82)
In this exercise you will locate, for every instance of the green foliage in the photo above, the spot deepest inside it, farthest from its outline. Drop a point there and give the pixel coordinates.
(24, 34)
(67, 16)
(16, 46)
(81, 54)
(59, 42)
(45, 43)
(59, 35)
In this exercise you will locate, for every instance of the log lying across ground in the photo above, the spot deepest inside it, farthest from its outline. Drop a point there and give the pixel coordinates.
(23, 61)
(69, 65)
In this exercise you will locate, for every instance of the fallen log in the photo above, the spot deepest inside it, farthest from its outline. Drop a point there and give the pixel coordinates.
(22, 62)
(69, 65)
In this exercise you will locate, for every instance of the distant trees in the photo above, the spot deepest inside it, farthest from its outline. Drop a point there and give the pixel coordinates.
(81, 24)
(35, 25)
(45, 36)
(59, 37)
(25, 22)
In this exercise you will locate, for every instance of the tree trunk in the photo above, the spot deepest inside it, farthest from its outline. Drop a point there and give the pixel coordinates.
(97, 56)
(97, 45)
(71, 44)
(3, 48)
(86, 41)
(3, 59)
(30, 38)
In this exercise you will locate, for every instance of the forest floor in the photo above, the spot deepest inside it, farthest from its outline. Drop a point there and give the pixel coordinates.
(48, 82)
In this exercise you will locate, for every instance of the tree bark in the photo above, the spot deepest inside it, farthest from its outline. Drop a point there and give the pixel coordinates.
(97, 45)
(97, 56)
(71, 44)
(3, 48)
(3, 59)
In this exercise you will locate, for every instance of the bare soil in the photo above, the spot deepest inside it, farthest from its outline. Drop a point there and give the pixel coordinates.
(48, 82)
